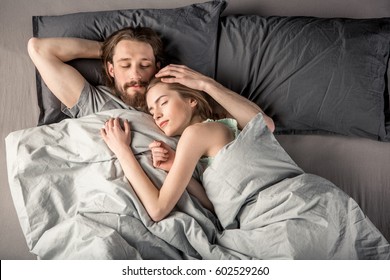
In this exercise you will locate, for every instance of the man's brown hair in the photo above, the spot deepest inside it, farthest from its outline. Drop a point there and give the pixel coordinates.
(138, 34)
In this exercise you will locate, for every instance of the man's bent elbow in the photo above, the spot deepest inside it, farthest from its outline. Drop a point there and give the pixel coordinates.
(32, 46)
(270, 124)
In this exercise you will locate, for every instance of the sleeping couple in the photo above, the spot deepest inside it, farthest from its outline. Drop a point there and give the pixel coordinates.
(182, 102)
(175, 98)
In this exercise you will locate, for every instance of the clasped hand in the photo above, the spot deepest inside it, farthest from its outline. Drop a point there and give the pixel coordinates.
(116, 137)
(162, 155)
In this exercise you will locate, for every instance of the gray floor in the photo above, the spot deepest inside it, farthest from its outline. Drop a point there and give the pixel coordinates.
(17, 92)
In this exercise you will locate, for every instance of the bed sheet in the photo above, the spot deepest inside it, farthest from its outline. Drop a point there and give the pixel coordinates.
(74, 202)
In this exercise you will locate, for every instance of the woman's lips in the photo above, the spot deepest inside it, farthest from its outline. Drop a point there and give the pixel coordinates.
(163, 123)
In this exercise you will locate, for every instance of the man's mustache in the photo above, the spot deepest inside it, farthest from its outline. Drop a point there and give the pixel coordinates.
(136, 83)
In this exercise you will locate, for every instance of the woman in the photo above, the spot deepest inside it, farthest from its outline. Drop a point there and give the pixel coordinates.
(178, 111)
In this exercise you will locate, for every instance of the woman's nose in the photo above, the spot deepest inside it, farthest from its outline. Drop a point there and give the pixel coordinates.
(157, 114)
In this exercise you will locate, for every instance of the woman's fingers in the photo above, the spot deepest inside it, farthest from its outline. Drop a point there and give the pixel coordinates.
(115, 123)
(154, 144)
(157, 146)
(109, 124)
(103, 133)
(126, 126)
(159, 154)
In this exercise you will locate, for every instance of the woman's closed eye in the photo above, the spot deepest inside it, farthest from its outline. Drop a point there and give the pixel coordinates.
(151, 109)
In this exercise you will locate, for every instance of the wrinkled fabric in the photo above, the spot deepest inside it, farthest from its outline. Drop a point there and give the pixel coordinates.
(74, 202)
(264, 198)
(311, 75)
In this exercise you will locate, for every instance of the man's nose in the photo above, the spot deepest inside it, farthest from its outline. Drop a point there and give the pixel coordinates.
(135, 74)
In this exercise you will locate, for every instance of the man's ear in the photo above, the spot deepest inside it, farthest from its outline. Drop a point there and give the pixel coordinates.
(193, 102)
(110, 68)
(158, 65)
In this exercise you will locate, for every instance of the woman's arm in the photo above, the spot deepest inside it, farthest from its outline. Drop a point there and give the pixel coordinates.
(163, 157)
(158, 203)
(49, 56)
(196, 189)
(239, 107)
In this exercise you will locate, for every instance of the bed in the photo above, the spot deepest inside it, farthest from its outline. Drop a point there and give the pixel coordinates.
(337, 144)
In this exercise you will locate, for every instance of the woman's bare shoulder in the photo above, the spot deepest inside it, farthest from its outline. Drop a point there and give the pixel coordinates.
(210, 135)
(207, 129)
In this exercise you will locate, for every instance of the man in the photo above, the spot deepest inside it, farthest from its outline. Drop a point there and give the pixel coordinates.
(131, 58)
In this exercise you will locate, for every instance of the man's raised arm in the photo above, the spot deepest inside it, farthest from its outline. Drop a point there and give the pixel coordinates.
(236, 105)
(50, 56)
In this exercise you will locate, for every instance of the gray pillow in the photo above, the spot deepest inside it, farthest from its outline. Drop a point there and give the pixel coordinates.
(189, 34)
(311, 75)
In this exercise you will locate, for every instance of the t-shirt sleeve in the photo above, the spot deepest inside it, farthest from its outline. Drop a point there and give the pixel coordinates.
(92, 100)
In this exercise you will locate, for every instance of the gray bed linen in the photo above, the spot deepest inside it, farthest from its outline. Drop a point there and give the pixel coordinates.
(74, 202)
(262, 197)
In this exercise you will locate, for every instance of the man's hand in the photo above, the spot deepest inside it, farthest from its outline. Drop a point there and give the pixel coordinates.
(181, 74)
(162, 155)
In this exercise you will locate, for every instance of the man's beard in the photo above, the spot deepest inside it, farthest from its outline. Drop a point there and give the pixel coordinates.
(137, 100)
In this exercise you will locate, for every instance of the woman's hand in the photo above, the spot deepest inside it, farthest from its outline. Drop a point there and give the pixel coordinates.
(116, 137)
(162, 155)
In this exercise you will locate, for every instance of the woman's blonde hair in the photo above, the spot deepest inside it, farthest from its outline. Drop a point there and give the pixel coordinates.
(203, 108)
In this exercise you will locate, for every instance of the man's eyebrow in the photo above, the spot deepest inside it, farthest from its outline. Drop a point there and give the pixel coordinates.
(156, 101)
(123, 59)
(129, 58)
